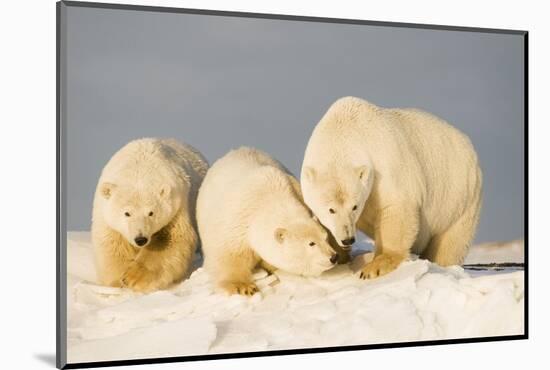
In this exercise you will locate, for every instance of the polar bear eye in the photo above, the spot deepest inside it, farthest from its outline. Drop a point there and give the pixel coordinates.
(332, 210)
(354, 208)
(311, 244)
(126, 214)
(151, 213)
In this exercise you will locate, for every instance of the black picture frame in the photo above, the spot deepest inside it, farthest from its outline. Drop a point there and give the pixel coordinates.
(61, 237)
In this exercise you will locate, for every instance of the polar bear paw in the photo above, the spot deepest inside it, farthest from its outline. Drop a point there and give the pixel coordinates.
(234, 287)
(380, 265)
(138, 278)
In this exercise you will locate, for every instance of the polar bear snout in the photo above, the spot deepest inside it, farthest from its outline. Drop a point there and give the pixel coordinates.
(141, 241)
(349, 241)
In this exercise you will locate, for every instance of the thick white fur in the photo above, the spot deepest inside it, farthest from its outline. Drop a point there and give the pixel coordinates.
(414, 178)
(156, 182)
(250, 212)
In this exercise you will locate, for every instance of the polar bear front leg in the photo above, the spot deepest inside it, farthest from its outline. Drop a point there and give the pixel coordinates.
(155, 269)
(113, 254)
(138, 278)
(234, 273)
(166, 260)
(395, 233)
(267, 267)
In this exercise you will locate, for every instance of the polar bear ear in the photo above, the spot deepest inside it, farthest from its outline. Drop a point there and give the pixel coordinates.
(362, 172)
(280, 234)
(164, 191)
(107, 189)
(309, 173)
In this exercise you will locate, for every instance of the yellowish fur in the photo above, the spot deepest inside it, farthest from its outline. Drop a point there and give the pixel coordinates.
(250, 212)
(147, 176)
(406, 178)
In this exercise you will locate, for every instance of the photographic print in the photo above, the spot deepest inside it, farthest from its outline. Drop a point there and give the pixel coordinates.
(235, 184)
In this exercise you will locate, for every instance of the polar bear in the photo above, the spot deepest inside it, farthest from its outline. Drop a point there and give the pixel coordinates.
(143, 222)
(404, 177)
(249, 213)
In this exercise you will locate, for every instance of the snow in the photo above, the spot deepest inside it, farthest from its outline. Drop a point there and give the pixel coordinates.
(496, 252)
(418, 301)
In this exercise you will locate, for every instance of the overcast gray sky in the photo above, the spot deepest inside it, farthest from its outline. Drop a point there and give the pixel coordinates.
(221, 82)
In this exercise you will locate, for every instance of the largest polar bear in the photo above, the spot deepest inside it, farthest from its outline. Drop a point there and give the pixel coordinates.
(404, 177)
(143, 223)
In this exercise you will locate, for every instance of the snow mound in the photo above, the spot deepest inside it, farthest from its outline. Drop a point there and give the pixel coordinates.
(418, 301)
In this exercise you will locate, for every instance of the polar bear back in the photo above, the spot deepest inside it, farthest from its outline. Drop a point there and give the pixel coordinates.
(229, 182)
(444, 160)
(149, 159)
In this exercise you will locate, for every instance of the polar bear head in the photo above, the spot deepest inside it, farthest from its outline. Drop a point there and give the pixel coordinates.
(337, 198)
(297, 246)
(138, 213)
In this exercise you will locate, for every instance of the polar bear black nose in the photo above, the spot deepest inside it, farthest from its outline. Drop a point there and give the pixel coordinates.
(349, 241)
(141, 241)
(334, 258)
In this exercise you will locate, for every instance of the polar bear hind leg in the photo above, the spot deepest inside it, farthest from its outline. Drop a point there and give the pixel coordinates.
(451, 246)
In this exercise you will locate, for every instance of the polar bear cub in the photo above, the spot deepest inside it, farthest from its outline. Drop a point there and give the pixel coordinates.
(143, 222)
(250, 212)
(406, 178)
